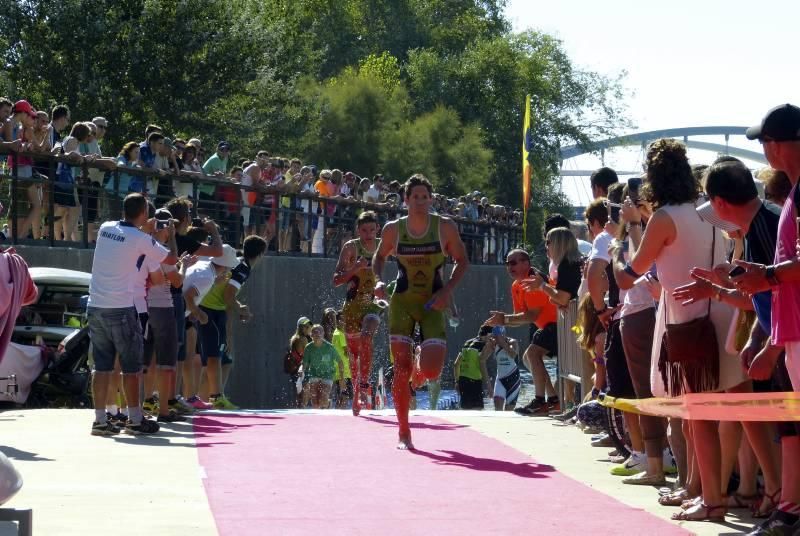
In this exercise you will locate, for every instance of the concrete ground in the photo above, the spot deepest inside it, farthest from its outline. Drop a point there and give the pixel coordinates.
(78, 484)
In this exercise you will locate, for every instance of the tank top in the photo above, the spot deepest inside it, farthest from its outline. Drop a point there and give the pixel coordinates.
(361, 286)
(506, 364)
(17, 132)
(785, 321)
(420, 261)
(471, 360)
(64, 172)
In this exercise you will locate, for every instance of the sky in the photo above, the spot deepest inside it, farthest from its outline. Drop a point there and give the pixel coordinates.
(689, 63)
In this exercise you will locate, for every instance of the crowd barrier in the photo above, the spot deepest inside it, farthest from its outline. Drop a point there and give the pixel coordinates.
(574, 365)
(311, 225)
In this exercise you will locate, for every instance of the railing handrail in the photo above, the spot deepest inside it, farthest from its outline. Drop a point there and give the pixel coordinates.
(202, 178)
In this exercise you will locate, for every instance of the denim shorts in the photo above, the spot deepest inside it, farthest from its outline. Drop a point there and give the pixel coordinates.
(116, 331)
(161, 338)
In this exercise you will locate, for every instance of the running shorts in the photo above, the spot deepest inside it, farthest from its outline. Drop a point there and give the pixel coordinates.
(404, 316)
(547, 338)
(354, 312)
(508, 387)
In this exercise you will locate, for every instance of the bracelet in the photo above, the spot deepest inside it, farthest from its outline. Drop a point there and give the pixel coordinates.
(630, 271)
(633, 224)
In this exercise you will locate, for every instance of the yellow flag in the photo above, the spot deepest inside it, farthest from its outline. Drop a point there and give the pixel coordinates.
(527, 142)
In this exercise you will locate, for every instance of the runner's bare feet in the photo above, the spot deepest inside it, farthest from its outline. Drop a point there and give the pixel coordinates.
(404, 442)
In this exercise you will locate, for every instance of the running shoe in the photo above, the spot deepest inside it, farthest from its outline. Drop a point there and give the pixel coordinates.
(778, 524)
(146, 427)
(635, 464)
(180, 401)
(603, 441)
(172, 416)
(532, 407)
(197, 403)
(222, 402)
(117, 420)
(104, 429)
(150, 405)
(571, 411)
(179, 408)
(670, 467)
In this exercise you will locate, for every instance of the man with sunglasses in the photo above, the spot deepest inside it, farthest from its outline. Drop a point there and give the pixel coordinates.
(531, 307)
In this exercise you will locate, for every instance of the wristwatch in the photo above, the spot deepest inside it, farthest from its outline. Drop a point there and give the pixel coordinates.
(772, 278)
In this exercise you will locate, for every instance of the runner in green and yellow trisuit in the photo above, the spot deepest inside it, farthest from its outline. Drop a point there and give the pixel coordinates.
(421, 242)
(360, 312)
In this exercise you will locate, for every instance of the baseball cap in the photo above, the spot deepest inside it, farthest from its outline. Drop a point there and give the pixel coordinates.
(303, 321)
(706, 211)
(223, 145)
(23, 106)
(195, 142)
(100, 121)
(163, 214)
(781, 123)
(169, 143)
(228, 258)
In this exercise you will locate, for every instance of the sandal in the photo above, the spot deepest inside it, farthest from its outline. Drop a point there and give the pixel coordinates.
(740, 501)
(766, 505)
(675, 498)
(690, 503)
(702, 512)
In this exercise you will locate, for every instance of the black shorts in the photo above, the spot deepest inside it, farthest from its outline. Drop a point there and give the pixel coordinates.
(64, 195)
(471, 393)
(213, 336)
(547, 338)
(619, 378)
(161, 338)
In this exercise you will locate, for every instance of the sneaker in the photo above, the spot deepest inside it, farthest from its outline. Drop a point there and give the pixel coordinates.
(571, 412)
(531, 408)
(222, 402)
(104, 429)
(172, 416)
(603, 441)
(117, 420)
(150, 405)
(551, 407)
(179, 400)
(197, 403)
(778, 524)
(635, 464)
(146, 427)
(179, 408)
(670, 467)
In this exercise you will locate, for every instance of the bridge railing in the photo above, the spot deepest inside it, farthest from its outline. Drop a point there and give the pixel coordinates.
(302, 223)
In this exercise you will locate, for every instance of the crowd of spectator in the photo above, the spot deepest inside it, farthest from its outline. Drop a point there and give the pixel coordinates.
(690, 286)
(267, 195)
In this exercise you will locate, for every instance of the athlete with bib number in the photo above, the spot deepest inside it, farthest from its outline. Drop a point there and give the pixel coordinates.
(421, 242)
(361, 315)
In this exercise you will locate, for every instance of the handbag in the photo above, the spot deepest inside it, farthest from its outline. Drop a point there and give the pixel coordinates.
(689, 356)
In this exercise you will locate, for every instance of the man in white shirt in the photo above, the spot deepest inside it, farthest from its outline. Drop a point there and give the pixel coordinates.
(123, 250)
(373, 195)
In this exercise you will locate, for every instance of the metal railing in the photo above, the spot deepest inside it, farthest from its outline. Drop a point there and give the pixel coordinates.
(574, 365)
(301, 223)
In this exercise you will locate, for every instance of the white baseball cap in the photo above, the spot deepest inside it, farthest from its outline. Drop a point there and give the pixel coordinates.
(228, 258)
(706, 211)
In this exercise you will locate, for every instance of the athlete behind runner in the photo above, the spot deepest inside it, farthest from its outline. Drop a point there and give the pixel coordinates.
(360, 312)
(421, 242)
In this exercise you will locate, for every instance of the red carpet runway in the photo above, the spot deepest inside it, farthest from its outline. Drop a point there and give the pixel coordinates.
(294, 473)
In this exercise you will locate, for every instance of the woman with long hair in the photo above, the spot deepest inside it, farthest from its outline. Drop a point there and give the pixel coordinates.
(677, 240)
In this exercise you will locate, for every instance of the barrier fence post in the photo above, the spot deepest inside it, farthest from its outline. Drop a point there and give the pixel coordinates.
(51, 207)
(84, 205)
(13, 201)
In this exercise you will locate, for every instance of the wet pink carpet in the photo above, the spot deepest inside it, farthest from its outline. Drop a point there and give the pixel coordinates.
(293, 474)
